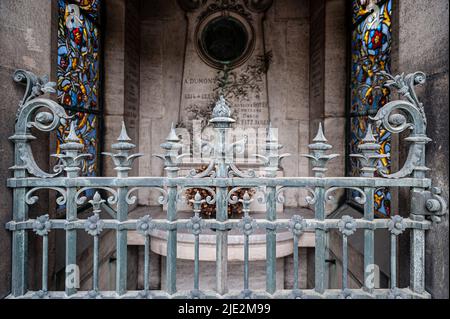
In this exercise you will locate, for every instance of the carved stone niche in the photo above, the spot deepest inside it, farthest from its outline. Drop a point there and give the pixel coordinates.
(225, 43)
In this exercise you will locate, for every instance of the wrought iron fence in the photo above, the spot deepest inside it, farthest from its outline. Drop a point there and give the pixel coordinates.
(222, 174)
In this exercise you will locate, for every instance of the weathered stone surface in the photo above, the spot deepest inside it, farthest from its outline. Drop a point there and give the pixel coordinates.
(26, 43)
(327, 81)
(335, 59)
(257, 278)
(287, 9)
(114, 55)
(155, 270)
(434, 62)
(302, 272)
(297, 69)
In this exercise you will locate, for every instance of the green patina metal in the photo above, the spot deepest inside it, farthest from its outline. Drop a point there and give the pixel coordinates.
(427, 206)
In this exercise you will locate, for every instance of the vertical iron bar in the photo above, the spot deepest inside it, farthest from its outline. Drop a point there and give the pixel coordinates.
(222, 214)
(417, 260)
(417, 243)
(321, 270)
(393, 261)
(171, 262)
(417, 236)
(19, 276)
(271, 242)
(45, 263)
(95, 267)
(369, 239)
(296, 262)
(221, 121)
(246, 257)
(146, 262)
(121, 240)
(71, 239)
(222, 242)
(344, 262)
(19, 260)
(196, 262)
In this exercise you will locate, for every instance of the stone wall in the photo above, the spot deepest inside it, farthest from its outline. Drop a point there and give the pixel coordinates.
(287, 33)
(423, 46)
(328, 69)
(163, 33)
(121, 74)
(26, 37)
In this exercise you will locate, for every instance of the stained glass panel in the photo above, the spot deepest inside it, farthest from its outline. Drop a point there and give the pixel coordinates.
(89, 7)
(370, 54)
(78, 73)
(78, 58)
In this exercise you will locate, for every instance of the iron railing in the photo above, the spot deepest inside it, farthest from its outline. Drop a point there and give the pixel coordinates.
(220, 176)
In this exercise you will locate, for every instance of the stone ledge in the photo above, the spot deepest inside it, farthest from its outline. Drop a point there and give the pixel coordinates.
(257, 251)
(185, 241)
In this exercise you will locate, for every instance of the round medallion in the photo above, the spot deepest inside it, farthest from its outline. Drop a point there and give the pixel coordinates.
(224, 38)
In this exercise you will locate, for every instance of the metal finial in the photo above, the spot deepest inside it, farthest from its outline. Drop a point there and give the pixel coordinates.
(97, 197)
(369, 138)
(320, 136)
(72, 137)
(71, 142)
(221, 114)
(318, 158)
(123, 141)
(272, 158)
(172, 157)
(270, 134)
(122, 159)
(123, 137)
(172, 137)
(96, 203)
(370, 154)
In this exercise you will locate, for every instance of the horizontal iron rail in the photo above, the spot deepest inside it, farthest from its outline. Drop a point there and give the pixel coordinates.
(325, 182)
(257, 294)
(163, 224)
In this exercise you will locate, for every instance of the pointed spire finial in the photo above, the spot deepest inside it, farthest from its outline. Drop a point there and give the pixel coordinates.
(271, 134)
(123, 160)
(72, 137)
(72, 141)
(123, 137)
(370, 153)
(172, 137)
(318, 157)
(123, 141)
(369, 138)
(320, 136)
